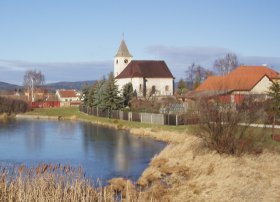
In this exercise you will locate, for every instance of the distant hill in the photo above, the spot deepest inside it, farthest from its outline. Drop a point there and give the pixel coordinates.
(8, 86)
(69, 85)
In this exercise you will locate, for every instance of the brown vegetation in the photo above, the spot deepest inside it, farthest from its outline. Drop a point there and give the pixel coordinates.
(224, 126)
(189, 171)
(10, 105)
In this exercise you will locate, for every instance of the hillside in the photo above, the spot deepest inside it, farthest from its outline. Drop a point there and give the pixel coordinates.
(69, 85)
(8, 86)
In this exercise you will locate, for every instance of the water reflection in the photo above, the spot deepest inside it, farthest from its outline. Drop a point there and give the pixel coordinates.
(35, 135)
(102, 152)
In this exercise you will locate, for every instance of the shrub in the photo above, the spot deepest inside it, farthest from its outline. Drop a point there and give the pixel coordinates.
(224, 127)
(9, 105)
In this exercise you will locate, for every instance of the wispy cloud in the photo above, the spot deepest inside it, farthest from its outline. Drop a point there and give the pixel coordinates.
(179, 58)
(13, 70)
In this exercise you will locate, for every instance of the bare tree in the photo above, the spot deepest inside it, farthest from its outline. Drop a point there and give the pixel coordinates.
(196, 74)
(32, 80)
(226, 64)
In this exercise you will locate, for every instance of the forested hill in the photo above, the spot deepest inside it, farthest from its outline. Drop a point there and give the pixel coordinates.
(69, 85)
(8, 86)
(51, 86)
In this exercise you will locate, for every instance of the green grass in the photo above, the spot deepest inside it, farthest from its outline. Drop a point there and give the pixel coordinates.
(70, 112)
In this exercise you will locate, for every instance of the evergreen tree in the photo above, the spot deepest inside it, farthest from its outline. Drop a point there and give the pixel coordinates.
(274, 94)
(91, 93)
(85, 94)
(182, 87)
(112, 99)
(127, 93)
(99, 94)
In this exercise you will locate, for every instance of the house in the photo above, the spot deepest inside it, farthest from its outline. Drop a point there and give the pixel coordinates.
(148, 77)
(244, 80)
(38, 94)
(68, 97)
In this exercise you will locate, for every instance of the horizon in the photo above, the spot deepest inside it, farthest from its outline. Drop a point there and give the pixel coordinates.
(77, 41)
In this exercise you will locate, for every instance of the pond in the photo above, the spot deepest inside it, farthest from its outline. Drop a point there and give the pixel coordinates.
(102, 152)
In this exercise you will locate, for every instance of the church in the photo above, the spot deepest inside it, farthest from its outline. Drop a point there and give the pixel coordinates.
(148, 77)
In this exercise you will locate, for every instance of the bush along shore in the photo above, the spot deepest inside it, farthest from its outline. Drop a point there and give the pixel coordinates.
(186, 170)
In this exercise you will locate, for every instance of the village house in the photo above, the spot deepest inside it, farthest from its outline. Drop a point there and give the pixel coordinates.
(39, 94)
(148, 77)
(68, 97)
(244, 80)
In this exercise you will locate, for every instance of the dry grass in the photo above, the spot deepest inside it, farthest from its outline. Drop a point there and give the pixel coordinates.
(48, 182)
(190, 172)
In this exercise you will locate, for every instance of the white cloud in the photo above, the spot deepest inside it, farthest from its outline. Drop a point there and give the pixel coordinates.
(179, 58)
(13, 70)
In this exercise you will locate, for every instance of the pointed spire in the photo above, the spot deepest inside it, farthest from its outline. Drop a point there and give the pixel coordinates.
(123, 51)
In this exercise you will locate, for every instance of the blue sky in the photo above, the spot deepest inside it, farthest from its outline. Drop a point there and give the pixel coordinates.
(71, 40)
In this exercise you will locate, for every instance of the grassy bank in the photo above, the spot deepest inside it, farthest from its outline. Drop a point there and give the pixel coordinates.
(186, 170)
(172, 134)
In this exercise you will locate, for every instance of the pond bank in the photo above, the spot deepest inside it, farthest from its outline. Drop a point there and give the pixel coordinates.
(187, 171)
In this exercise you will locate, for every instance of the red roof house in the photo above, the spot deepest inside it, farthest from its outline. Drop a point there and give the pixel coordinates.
(243, 80)
(66, 97)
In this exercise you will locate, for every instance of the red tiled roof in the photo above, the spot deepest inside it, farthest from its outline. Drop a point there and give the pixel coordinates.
(255, 71)
(67, 93)
(146, 69)
(243, 78)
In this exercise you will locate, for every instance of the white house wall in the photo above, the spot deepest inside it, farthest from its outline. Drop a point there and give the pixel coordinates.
(262, 87)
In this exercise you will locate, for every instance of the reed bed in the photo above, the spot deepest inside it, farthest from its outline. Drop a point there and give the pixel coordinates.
(48, 182)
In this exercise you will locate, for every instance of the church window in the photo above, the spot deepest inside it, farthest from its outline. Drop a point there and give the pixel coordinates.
(125, 61)
(140, 87)
(166, 88)
(117, 61)
(153, 90)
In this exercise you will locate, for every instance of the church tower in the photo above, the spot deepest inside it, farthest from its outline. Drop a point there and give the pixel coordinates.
(122, 59)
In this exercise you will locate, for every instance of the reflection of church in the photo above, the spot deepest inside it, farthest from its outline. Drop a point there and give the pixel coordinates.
(147, 76)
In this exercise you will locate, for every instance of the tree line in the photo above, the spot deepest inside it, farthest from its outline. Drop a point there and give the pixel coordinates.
(104, 94)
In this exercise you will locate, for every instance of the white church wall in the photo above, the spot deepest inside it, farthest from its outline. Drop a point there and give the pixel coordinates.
(163, 86)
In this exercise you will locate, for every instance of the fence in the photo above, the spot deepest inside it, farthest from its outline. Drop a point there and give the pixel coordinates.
(151, 118)
(44, 104)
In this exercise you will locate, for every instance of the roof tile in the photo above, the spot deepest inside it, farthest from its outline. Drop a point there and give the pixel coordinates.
(146, 69)
(243, 78)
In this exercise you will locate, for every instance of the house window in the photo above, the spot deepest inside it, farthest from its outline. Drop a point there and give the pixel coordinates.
(166, 88)
(153, 90)
(66, 100)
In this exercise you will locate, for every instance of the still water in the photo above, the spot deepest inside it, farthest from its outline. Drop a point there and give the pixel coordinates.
(102, 152)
